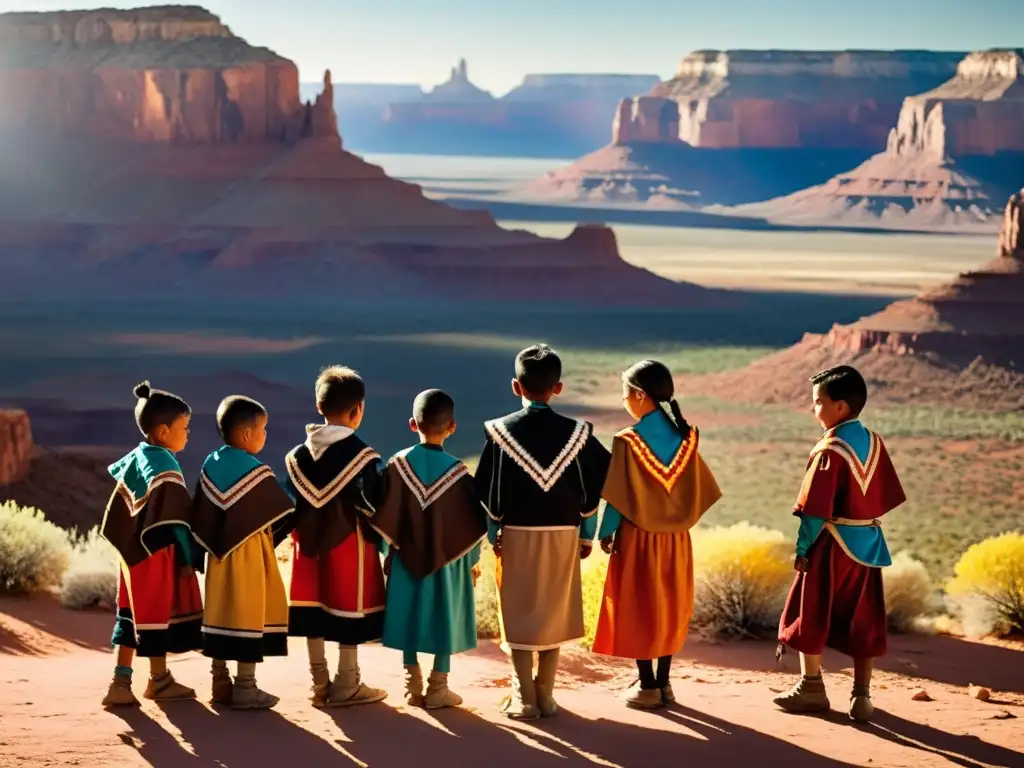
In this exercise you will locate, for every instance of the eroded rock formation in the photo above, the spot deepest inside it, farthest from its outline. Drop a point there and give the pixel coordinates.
(188, 162)
(15, 446)
(954, 155)
(782, 99)
(162, 74)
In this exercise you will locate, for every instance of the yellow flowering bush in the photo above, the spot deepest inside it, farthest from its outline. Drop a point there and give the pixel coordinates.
(34, 552)
(594, 569)
(742, 574)
(487, 595)
(987, 588)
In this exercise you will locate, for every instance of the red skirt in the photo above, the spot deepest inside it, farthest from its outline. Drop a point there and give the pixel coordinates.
(340, 595)
(158, 610)
(838, 603)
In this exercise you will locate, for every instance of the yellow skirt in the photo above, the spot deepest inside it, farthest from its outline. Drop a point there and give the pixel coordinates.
(246, 613)
(648, 595)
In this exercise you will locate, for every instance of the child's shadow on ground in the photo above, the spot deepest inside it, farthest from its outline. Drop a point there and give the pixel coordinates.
(968, 751)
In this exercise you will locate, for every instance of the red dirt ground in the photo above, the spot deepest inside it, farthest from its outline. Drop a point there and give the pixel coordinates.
(54, 666)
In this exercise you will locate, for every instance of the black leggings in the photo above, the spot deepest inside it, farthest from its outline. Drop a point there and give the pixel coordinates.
(648, 680)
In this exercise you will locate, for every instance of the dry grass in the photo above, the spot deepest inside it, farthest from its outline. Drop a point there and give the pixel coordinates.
(34, 553)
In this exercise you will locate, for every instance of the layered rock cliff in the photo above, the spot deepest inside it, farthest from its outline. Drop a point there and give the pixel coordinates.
(163, 150)
(781, 99)
(162, 74)
(954, 155)
(15, 446)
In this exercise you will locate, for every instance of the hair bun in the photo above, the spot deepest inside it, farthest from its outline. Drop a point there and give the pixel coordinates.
(143, 390)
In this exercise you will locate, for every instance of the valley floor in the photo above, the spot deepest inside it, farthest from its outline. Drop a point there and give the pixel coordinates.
(54, 666)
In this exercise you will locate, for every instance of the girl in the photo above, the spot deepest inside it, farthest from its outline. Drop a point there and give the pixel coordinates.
(657, 488)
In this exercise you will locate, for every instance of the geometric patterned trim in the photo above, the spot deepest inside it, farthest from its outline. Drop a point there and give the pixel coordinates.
(666, 474)
(318, 497)
(545, 477)
(136, 505)
(225, 499)
(427, 495)
(863, 473)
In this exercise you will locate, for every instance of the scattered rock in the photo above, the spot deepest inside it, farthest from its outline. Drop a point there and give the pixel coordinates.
(979, 693)
(921, 695)
(1003, 715)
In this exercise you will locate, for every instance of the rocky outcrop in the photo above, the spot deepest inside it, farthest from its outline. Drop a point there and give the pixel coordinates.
(15, 446)
(162, 74)
(957, 345)
(955, 154)
(781, 99)
(274, 209)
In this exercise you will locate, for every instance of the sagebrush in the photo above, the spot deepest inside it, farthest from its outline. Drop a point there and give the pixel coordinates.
(93, 573)
(742, 575)
(987, 589)
(909, 593)
(34, 552)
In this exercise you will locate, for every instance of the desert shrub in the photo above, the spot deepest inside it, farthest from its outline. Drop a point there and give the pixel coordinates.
(93, 573)
(909, 593)
(34, 552)
(487, 595)
(742, 576)
(593, 570)
(987, 588)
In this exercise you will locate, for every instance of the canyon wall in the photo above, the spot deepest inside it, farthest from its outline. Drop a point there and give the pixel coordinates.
(162, 74)
(15, 446)
(781, 99)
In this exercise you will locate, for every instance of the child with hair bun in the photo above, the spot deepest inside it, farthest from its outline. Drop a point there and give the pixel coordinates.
(658, 487)
(148, 521)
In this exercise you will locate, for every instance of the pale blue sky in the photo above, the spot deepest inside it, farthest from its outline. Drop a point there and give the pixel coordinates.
(418, 41)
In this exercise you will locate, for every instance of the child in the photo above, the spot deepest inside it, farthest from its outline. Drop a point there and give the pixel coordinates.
(540, 478)
(434, 522)
(337, 587)
(147, 520)
(837, 599)
(658, 487)
(238, 504)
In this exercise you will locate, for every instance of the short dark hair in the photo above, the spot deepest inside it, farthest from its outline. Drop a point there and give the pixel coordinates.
(433, 411)
(538, 369)
(237, 411)
(845, 383)
(339, 390)
(155, 408)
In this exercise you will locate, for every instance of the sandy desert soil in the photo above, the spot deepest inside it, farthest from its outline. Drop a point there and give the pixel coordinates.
(54, 666)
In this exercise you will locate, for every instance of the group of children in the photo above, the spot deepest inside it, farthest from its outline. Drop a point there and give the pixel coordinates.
(389, 551)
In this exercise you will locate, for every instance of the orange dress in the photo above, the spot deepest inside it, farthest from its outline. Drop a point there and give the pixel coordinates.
(651, 506)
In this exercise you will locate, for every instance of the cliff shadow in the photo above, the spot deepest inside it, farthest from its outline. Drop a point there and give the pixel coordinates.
(46, 621)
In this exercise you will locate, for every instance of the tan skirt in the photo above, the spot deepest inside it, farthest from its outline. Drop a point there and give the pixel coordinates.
(540, 591)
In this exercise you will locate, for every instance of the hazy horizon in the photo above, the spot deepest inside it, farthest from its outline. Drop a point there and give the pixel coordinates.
(414, 42)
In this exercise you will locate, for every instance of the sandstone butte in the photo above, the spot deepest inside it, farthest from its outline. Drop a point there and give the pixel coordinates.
(947, 158)
(955, 153)
(15, 446)
(153, 146)
(960, 344)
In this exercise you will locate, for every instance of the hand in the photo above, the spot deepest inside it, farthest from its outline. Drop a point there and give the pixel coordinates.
(475, 572)
(608, 544)
(801, 564)
(586, 547)
(186, 572)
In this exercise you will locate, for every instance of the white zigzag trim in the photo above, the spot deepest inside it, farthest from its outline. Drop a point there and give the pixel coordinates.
(427, 495)
(236, 491)
(319, 497)
(544, 477)
(136, 505)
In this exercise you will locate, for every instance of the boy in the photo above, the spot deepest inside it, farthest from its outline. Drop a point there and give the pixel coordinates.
(837, 599)
(434, 523)
(337, 586)
(540, 478)
(147, 520)
(239, 508)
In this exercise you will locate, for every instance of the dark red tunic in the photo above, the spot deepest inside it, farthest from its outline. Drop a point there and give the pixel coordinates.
(839, 603)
